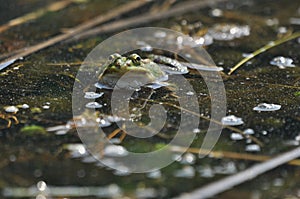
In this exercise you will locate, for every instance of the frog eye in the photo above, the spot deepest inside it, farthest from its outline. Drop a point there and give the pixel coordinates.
(114, 56)
(135, 58)
(128, 62)
(118, 63)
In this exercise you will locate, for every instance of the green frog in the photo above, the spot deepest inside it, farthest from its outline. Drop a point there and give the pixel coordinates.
(153, 70)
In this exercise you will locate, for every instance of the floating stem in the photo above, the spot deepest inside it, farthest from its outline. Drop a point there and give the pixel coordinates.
(230, 154)
(263, 49)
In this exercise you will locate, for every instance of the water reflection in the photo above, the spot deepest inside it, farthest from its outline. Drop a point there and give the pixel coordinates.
(44, 191)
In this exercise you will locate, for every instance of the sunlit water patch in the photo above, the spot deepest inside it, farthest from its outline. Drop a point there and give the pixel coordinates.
(77, 150)
(104, 122)
(225, 168)
(144, 46)
(236, 136)
(204, 67)
(147, 193)
(11, 109)
(156, 174)
(232, 120)
(185, 172)
(282, 62)
(206, 171)
(252, 148)
(93, 105)
(267, 107)
(121, 170)
(109, 191)
(115, 151)
(188, 158)
(248, 132)
(92, 95)
(228, 32)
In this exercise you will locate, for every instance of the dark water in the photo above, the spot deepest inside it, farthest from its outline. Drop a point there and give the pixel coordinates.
(46, 78)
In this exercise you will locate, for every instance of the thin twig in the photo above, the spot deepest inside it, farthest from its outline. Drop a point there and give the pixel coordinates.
(76, 30)
(228, 154)
(263, 49)
(254, 139)
(146, 18)
(241, 177)
(36, 14)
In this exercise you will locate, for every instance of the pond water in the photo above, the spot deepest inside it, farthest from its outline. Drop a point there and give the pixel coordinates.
(42, 156)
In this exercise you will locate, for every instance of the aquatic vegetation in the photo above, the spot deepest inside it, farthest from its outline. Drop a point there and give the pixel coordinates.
(282, 62)
(32, 130)
(297, 93)
(232, 120)
(267, 107)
